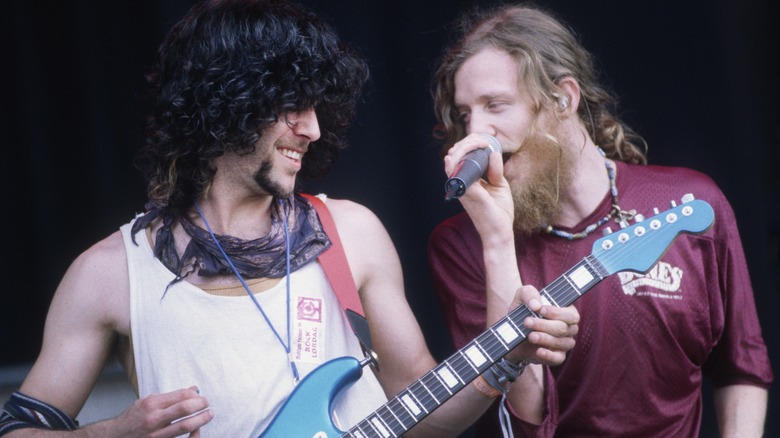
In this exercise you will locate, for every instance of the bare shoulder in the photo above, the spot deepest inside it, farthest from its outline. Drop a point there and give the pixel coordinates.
(97, 281)
(352, 216)
(104, 262)
(366, 241)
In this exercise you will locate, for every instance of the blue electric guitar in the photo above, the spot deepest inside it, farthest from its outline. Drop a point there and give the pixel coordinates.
(306, 414)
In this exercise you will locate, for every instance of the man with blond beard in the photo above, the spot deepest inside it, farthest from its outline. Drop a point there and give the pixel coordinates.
(570, 170)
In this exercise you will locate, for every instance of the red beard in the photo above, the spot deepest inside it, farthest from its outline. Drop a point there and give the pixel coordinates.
(537, 196)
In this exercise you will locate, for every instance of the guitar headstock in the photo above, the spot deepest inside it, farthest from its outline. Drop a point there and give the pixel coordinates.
(639, 246)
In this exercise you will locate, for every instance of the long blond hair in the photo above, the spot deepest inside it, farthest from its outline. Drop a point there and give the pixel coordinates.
(546, 51)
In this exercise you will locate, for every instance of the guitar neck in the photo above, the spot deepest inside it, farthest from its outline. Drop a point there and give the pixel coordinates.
(408, 408)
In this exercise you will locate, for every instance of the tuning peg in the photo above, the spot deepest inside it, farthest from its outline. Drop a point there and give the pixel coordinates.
(655, 210)
(623, 224)
(688, 197)
(639, 217)
(607, 231)
(674, 203)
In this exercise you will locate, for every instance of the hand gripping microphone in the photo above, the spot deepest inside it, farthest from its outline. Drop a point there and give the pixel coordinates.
(473, 166)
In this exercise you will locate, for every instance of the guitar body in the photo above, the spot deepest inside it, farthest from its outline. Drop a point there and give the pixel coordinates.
(306, 414)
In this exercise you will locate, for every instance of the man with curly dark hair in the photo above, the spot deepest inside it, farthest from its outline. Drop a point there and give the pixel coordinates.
(212, 298)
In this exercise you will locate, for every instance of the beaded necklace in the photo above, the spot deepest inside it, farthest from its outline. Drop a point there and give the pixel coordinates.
(622, 215)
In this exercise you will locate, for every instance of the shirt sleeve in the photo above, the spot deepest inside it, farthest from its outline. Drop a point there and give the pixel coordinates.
(740, 355)
(458, 276)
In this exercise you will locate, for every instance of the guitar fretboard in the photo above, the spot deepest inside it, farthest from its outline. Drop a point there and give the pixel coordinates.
(398, 415)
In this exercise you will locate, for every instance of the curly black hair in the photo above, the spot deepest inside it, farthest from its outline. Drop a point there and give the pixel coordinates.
(231, 68)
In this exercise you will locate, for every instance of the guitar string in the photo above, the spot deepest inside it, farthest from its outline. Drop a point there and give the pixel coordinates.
(560, 290)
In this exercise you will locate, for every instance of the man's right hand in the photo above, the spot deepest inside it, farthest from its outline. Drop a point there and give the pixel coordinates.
(163, 415)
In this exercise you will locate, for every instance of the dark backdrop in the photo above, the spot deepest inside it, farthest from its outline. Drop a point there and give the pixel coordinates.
(696, 79)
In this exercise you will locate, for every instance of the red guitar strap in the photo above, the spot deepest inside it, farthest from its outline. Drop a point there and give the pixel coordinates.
(334, 261)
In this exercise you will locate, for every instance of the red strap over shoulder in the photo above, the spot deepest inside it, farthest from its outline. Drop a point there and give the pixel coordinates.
(334, 261)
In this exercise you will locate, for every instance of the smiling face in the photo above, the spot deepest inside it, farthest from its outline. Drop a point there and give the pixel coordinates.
(276, 160)
(490, 98)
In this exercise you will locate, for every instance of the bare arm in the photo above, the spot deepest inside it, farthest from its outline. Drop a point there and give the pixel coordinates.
(89, 311)
(397, 337)
(741, 410)
(79, 331)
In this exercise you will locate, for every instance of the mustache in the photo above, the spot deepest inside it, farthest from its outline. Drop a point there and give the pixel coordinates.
(301, 146)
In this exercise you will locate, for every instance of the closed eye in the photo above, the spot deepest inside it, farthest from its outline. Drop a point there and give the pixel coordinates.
(494, 106)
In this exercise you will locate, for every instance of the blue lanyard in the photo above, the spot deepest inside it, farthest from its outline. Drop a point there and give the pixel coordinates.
(286, 345)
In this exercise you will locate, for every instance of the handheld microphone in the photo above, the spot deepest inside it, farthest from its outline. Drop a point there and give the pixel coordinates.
(473, 166)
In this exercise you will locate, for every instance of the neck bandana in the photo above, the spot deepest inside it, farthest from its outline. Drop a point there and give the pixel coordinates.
(258, 258)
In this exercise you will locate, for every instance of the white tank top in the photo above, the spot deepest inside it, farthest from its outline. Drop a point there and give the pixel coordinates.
(223, 345)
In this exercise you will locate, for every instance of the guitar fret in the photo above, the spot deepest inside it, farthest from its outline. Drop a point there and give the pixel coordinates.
(571, 285)
(468, 362)
(421, 393)
(362, 431)
(419, 403)
(492, 346)
(448, 375)
(404, 408)
(372, 427)
(550, 299)
(403, 413)
(438, 391)
(580, 276)
(414, 408)
(518, 329)
(429, 392)
(487, 343)
(380, 426)
(390, 420)
(454, 363)
(397, 419)
(474, 354)
(441, 382)
(596, 267)
(499, 338)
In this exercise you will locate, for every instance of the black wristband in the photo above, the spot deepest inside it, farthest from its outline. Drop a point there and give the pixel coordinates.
(503, 373)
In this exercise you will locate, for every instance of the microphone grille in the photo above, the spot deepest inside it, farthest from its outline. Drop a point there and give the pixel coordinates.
(493, 143)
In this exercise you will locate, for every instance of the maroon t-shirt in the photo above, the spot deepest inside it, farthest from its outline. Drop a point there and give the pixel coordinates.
(645, 341)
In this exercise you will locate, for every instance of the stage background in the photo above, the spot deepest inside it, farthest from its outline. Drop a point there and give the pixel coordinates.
(697, 79)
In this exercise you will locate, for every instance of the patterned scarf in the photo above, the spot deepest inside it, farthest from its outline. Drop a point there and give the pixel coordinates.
(259, 258)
